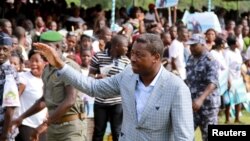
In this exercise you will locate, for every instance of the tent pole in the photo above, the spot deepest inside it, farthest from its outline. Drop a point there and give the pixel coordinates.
(113, 15)
(209, 5)
(238, 12)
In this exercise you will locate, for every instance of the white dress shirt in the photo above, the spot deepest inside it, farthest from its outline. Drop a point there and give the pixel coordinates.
(143, 92)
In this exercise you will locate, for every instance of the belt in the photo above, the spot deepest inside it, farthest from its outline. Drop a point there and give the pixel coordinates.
(68, 118)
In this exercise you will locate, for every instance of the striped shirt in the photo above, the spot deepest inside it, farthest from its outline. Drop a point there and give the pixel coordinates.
(101, 61)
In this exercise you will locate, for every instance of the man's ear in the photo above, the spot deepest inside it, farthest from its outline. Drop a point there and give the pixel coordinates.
(58, 47)
(157, 56)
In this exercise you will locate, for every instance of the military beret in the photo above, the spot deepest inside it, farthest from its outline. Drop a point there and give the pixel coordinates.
(5, 39)
(51, 36)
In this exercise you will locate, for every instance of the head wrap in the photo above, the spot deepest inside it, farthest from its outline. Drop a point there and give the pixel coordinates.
(5, 39)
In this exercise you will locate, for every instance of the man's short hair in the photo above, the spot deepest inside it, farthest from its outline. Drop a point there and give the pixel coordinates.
(231, 40)
(154, 43)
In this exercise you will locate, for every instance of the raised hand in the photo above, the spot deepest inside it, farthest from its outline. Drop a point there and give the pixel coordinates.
(102, 45)
(141, 17)
(50, 54)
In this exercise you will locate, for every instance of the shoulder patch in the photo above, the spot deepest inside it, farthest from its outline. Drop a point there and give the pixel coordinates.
(73, 64)
(210, 57)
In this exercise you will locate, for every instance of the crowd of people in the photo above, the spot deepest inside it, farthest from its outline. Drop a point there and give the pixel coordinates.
(150, 80)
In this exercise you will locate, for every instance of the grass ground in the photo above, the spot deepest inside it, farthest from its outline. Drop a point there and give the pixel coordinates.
(245, 118)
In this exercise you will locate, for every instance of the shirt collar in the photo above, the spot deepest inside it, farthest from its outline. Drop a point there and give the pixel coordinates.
(6, 63)
(155, 79)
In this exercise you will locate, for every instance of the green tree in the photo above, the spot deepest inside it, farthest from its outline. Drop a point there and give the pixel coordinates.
(183, 4)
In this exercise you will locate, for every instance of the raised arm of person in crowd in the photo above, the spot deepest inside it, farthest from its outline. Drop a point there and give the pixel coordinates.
(141, 23)
(175, 14)
(157, 17)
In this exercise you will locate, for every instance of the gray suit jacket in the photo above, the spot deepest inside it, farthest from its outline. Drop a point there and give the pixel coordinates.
(167, 115)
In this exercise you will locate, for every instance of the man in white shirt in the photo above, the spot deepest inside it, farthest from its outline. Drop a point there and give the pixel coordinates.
(176, 53)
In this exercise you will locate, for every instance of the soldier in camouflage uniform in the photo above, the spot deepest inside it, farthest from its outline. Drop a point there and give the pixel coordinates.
(202, 79)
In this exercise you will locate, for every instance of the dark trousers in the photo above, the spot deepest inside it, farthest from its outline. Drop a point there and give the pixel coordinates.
(25, 134)
(103, 114)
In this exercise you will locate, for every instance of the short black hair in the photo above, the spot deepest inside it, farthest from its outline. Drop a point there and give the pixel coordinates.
(180, 29)
(3, 22)
(32, 52)
(120, 39)
(231, 40)
(18, 54)
(153, 43)
(85, 36)
(210, 29)
(218, 42)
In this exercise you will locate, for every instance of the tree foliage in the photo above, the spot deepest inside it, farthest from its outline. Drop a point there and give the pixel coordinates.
(183, 4)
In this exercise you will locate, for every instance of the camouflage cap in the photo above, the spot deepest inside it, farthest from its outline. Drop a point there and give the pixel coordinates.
(196, 39)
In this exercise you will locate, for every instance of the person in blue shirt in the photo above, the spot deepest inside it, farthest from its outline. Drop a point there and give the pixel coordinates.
(202, 80)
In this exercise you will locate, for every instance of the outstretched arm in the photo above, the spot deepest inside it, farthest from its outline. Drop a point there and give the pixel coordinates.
(38, 106)
(108, 87)
(105, 88)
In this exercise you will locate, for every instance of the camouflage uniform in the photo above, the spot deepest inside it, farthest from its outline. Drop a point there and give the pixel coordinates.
(200, 73)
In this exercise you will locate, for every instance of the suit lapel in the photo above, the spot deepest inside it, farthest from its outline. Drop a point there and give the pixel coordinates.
(131, 88)
(156, 94)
